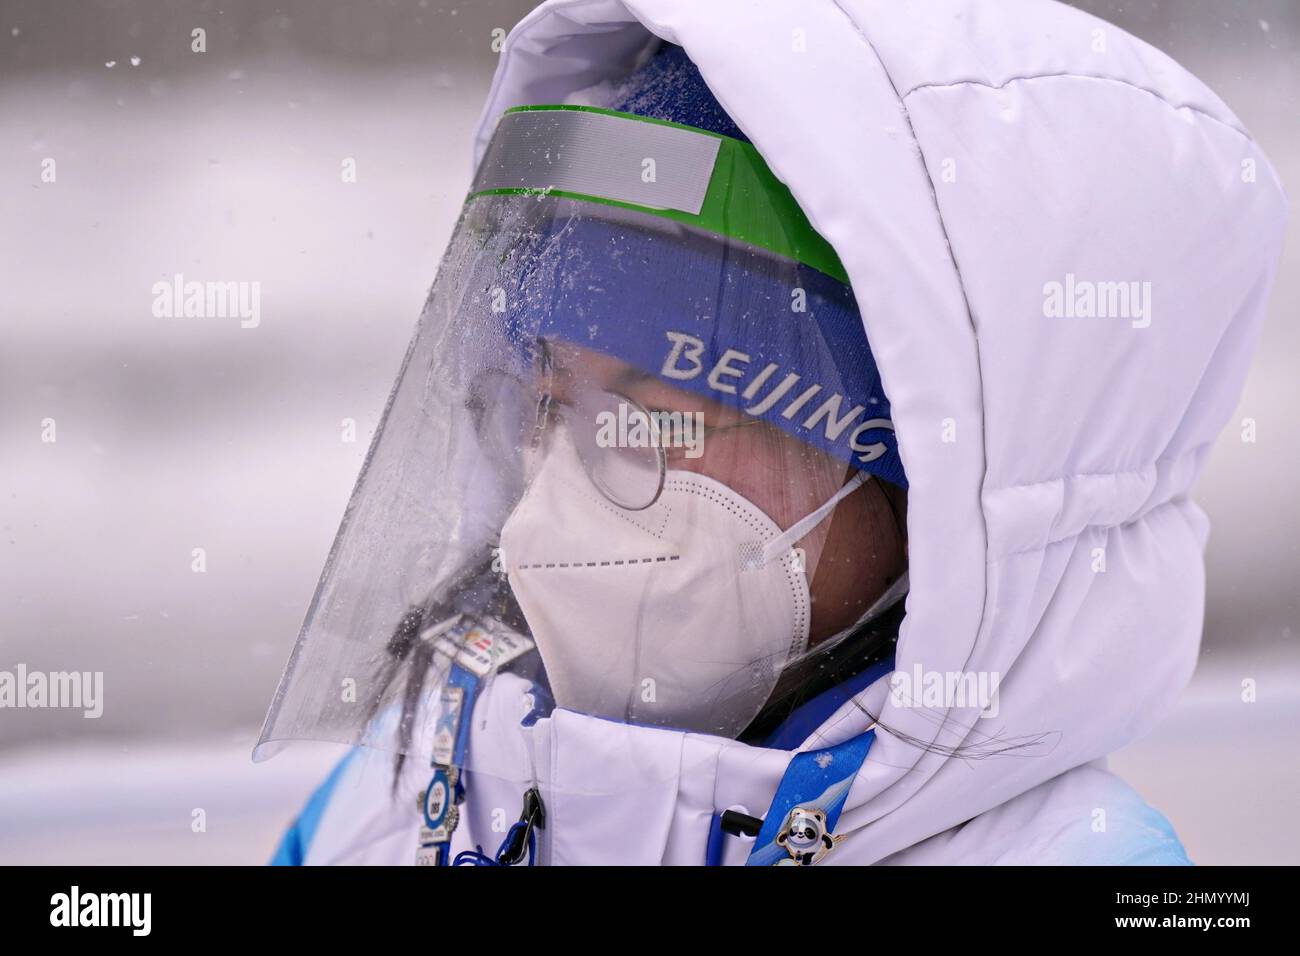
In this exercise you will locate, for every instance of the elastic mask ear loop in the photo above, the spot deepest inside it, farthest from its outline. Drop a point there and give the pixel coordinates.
(782, 542)
(891, 596)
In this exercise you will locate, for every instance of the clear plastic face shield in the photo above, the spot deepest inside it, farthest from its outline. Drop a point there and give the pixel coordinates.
(633, 468)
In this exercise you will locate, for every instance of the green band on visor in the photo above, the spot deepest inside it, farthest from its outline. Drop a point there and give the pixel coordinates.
(692, 176)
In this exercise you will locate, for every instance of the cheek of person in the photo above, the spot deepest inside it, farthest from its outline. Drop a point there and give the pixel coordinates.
(864, 552)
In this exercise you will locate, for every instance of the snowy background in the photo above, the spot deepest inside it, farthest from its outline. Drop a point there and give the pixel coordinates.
(179, 434)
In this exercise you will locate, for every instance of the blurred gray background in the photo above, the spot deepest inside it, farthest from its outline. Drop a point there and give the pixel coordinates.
(176, 434)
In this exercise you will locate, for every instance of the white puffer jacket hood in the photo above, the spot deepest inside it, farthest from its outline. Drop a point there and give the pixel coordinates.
(980, 167)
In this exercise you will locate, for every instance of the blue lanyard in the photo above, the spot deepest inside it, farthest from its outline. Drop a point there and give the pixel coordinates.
(473, 650)
(799, 826)
(445, 793)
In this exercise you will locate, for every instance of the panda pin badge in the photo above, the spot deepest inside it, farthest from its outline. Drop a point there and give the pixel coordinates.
(804, 837)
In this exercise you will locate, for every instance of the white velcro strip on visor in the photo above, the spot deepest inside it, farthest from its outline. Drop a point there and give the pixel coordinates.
(599, 154)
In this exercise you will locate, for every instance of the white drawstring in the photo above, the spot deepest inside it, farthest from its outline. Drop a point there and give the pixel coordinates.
(782, 542)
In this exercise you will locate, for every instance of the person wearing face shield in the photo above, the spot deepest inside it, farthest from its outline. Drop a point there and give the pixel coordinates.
(623, 577)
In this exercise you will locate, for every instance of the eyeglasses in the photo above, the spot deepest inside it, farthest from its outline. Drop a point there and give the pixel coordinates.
(622, 445)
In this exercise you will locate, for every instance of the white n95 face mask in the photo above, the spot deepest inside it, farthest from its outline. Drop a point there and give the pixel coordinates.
(679, 615)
